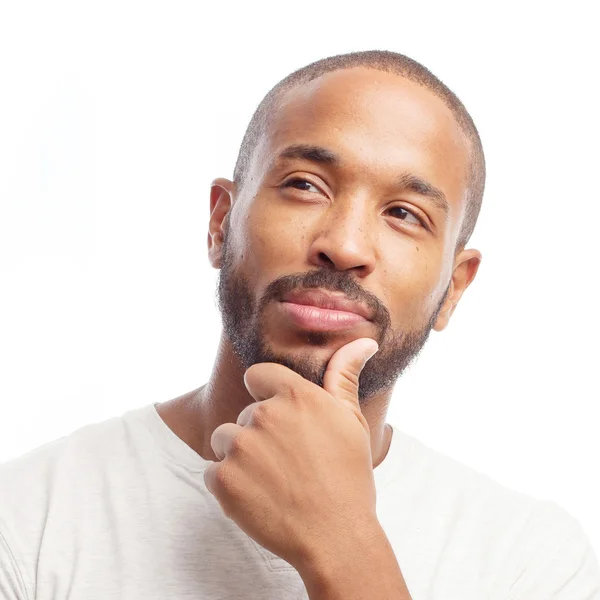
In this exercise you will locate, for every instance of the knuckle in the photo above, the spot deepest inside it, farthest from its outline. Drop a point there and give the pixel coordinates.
(293, 393)
(350, 376)
(348, 387)
(222, 476)
(238, 444)
(348, 381)
(263, 415)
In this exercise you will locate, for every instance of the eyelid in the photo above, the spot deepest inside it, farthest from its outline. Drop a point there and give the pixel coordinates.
(424, 221)
(296, 178)
(416, 214)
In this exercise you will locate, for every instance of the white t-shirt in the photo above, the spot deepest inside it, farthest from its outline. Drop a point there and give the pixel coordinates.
(119, 509)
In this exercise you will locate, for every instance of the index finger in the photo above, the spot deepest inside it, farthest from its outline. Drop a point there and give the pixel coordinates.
(264, 380)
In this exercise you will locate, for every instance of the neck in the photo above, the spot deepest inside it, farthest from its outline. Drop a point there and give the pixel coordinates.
(194, 416)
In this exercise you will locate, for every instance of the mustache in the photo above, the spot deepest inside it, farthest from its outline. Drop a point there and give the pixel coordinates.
(333, 281)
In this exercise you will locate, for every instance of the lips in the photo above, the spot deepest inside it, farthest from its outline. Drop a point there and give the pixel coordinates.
(321, 299)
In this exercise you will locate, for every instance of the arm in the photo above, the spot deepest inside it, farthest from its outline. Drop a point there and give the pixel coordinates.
(361, 566)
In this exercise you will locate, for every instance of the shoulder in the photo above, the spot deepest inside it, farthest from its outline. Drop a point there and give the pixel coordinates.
(436, 483)
(90, 442)
(33, 483)
(534, 547)
(47, 494)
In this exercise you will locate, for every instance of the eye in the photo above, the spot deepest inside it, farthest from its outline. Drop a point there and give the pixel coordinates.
(403, 214)
(302, 182)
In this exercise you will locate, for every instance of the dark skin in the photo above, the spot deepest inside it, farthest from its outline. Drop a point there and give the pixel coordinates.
(348, 218)
(293, 419)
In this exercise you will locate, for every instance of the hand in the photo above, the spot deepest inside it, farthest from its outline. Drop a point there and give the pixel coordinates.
(296, 471)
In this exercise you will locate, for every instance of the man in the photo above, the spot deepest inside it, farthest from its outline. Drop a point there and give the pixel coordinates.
(341, 244)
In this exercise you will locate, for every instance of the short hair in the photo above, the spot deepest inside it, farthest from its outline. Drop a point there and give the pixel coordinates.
(390, 62)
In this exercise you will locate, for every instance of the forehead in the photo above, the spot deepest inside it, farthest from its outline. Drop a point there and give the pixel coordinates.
(379, 123)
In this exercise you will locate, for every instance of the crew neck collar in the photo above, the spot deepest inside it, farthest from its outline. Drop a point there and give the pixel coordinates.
(178, 452)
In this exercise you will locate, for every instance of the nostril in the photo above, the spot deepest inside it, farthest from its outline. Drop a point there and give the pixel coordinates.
(324, 257)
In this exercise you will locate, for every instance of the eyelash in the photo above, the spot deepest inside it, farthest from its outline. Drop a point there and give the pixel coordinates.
(299, 179)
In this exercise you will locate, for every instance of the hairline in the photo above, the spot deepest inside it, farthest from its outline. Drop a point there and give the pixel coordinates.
(400, 67)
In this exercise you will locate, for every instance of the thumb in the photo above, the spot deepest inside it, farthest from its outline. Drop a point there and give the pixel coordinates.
(344, 368)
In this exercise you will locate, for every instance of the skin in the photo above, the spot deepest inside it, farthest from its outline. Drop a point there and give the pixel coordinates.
(344, 228)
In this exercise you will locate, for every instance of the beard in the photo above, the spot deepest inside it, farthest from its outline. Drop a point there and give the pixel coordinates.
(243, 325)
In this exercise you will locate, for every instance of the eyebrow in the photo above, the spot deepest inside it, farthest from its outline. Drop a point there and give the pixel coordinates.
(406, 181)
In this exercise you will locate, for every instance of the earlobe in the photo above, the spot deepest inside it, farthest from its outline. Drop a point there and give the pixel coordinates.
(446, 310)
(215, 248)
(466, 266)
(444, 316)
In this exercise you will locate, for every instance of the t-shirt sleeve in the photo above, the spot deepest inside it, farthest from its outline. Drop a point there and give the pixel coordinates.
(11, 582)
(567, 570)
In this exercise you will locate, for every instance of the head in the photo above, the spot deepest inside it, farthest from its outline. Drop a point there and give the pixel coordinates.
(360, 175)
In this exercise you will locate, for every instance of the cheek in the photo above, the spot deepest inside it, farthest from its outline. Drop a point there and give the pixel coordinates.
(270, 242)
(411, 282)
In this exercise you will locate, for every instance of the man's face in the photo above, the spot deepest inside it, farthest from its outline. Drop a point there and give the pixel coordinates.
(361, 225)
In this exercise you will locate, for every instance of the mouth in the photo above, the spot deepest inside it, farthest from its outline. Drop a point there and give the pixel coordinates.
(317, 310)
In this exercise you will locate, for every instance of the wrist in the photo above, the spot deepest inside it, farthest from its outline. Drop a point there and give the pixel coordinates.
(339, 554)
(360, 568)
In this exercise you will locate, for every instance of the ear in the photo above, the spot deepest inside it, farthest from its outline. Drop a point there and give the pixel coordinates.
(221, 201)
(466, 265)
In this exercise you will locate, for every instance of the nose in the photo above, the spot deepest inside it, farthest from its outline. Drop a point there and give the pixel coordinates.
(345, 238)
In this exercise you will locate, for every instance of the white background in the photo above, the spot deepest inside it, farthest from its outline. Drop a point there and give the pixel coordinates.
(115, 118)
